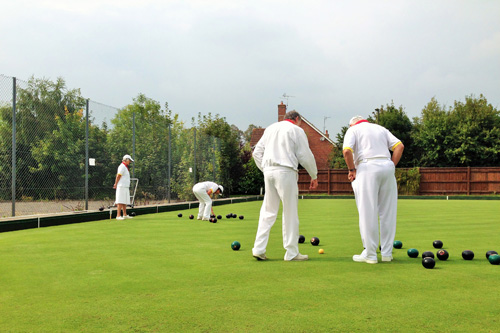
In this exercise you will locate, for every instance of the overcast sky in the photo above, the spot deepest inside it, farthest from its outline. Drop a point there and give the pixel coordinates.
(238, 58)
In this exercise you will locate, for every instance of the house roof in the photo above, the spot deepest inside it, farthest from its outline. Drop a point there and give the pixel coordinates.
(258, 132)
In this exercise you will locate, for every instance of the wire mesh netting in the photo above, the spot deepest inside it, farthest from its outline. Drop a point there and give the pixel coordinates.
(65, 151)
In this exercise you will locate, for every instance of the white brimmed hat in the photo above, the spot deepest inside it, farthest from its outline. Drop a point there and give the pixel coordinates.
(127, 157)
(221, 188)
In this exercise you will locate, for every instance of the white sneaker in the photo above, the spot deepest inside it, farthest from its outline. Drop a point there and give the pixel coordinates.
(119, 218)
(199, 217)
(360, 258)
(300, 257)
(204, 219)
(387, 258)
(128, 217)
(260, 256)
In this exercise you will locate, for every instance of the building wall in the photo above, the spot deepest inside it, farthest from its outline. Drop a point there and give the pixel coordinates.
(320, 147)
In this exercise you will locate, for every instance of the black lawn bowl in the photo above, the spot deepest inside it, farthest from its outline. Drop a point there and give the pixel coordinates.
(302, 239)
(428, 263)
(442, 254)
(412, 253)
(315, 241)
(398, 244)
(437, 244)
(179, 215)
(191, 216)
(101, 208)
(212, 216)
(219, 217)
(241, 217)
(494, 259)
(468, 255)
(428, 254)
(132, 214)
(235, 245)
(228, 216)
(234, 216)
(489, 253)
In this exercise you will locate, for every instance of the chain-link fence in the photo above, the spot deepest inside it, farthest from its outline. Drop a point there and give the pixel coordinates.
(59, 152)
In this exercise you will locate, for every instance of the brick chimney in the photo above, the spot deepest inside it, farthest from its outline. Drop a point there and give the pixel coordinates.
(281, 111)
(326, 134)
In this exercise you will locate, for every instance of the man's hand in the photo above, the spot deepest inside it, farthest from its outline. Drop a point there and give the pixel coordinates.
(352, 175)
(314, 184)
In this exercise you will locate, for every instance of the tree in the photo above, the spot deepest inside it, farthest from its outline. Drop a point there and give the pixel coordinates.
(466, 135)
(398, 123)
(151, 142)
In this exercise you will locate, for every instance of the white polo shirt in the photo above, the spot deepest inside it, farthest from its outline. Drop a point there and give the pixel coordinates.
(285, 144)
(368, 141)
(209, 186)
(125, 176)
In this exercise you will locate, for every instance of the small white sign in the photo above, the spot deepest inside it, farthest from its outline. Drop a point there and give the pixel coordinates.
(92, 161)
(190, 169)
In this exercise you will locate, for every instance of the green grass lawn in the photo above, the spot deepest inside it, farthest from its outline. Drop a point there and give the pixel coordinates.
(162, 273)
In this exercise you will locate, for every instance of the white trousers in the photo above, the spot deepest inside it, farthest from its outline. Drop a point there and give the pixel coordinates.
(376, 193)
(205, 207)
(281, 185)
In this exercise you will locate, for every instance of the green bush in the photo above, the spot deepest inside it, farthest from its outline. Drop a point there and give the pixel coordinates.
(408, 181)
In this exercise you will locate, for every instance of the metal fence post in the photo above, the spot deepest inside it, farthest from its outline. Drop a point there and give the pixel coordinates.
(213, 161)
(87, 156)
(169, 160)
(14, 93)
(133, 143)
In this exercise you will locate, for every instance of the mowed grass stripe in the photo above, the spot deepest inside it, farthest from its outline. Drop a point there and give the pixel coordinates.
(163, 273)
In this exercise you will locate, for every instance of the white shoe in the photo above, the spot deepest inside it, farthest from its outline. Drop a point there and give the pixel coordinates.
(387, 258)
(260, 256)
(199, 218)
(204, 219)
(119, 218)
(360, 258)
(300, 257)
(128, 217)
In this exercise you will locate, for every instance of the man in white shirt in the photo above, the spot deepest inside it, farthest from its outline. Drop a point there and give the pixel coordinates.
(202, 191)
(372, 175)
(277, 154)
(122, 184)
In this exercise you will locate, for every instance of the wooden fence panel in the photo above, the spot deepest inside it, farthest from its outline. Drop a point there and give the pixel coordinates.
(433, 181)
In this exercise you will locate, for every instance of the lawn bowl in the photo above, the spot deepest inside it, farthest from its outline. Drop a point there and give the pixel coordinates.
(191, 216)
(412, 253)
(235, 245)
(302, 239)
(428, 254)
(398, 244)
(442, 254)
(179, 215)
(494, 259)
(315, 241)
(489, 253)
(428, 262)
(468, 255)
(437, 244)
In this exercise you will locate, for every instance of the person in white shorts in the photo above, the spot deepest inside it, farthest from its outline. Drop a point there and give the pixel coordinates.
(372, 175)
(202, 191)
(277, 154)
(122, 185)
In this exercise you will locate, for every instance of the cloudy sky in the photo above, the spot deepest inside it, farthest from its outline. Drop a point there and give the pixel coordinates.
(238, 58)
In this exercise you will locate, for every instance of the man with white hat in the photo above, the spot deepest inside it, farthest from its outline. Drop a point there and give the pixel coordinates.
(371, 172)
(122, 185)
(202, 192)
